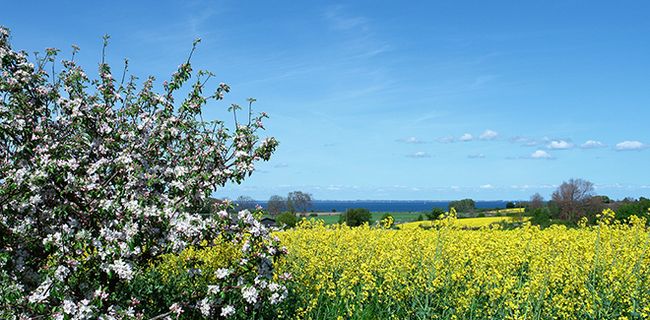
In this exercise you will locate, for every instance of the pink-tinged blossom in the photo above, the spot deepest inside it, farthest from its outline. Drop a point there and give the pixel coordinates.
(176, 308)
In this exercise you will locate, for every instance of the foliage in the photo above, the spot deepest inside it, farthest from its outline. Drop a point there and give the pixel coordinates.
(600, 272)
(386, 221)
(463, 206)
(299, 201)
(633, 208)
(286, 219)
(540, 217)
(435, 213)
(355, 217)
(99, 179)
(276, 204)
(195, 271)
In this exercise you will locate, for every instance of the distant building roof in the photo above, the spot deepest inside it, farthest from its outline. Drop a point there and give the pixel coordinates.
(269, 222)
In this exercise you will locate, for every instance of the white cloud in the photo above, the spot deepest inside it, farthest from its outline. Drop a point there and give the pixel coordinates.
(541, 154)
(560, 145)
(487, 186)
(592, 144)
(630, 145)
(476, 156)
(419, 154)
(448, 139)
(489, 135)
(466, 137)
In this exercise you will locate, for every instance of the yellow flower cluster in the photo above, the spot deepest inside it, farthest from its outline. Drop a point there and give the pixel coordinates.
(600, 272)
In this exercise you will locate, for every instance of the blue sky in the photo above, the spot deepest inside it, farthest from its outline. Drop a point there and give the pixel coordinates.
(399, 100)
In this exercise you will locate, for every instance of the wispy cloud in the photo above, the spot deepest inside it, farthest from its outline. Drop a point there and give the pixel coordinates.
(476, 156)
(281, 165)
(419, 154)
(630, 146)
(540, 154)
(447, 139)
(560, 145)
(592, 144)
(339, 19)
(412, 140)
(524, 141)
(487, 186)
(489, 135)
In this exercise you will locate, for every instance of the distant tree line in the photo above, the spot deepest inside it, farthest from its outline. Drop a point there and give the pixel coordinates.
(295, 201)
(575, 199)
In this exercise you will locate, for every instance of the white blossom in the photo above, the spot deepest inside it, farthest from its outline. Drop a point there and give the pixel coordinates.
(123, 269)
(227, 311)
(213, 289)
(204, 306)
(221, 273)
(61, 273)
(69, 307)
(41, 293)
(249, 294)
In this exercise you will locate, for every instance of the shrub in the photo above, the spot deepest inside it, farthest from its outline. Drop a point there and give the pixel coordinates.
(435, 214)
(286, 219)
(99, 180)
(386, 221)
(355, 217)
(540, 217)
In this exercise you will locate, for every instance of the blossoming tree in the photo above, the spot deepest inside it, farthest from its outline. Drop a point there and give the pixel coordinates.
(99, 178)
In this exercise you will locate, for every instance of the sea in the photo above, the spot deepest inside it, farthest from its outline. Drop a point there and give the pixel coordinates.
(391, 205)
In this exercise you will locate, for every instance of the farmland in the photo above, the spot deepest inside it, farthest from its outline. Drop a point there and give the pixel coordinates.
(451, 273)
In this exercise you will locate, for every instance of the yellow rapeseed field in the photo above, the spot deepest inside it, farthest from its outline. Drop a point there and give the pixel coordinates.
(597, 272)
(465, 222)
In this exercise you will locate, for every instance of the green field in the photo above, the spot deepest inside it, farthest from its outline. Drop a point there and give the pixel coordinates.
(410, 219)
(400, 217)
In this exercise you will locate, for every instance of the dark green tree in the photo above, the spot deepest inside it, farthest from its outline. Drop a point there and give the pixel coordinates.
(435, 213)
(286, 219)
(355, 217)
